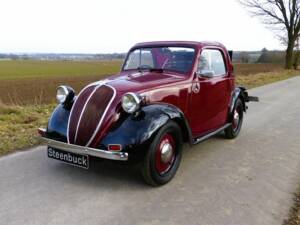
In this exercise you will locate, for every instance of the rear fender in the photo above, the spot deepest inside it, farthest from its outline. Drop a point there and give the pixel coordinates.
(240, 93)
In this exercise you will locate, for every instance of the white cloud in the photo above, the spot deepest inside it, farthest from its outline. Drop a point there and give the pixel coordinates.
(115, 25)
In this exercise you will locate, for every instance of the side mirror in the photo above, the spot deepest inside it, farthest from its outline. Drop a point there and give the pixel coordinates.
(206, 73)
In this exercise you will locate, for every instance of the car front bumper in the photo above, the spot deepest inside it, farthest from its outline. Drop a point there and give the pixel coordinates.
(119, 156)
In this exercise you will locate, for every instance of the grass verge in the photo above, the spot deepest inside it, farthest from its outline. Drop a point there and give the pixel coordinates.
(294, 214)
(19, 125)
(260, 79)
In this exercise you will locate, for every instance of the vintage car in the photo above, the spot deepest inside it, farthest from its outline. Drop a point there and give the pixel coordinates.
(166, 93)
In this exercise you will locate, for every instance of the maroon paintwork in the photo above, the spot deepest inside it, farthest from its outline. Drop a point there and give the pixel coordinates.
(75, 114)
(204, 101)
(91, 110)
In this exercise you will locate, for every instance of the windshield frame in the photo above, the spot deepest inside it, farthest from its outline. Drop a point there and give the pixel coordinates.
(162, 46)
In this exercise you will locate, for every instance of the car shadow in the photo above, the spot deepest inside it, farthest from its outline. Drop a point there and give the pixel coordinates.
(101, 174)
(113, 175)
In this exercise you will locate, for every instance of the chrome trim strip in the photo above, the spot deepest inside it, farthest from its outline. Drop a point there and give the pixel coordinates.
(120, 156)
(203, 138)
(103, 115)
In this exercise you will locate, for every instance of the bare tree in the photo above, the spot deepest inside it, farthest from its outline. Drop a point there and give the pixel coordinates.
(281, 16)
(296, 54)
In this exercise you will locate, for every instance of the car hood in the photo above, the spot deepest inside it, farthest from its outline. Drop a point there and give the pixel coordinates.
(95, 108)
(140, 81)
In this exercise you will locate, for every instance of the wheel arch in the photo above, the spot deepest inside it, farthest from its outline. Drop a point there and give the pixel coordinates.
(186, 131)
(178, 117)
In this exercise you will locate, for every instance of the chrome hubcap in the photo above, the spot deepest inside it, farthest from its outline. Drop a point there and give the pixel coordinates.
(236, 119)
(166, 153)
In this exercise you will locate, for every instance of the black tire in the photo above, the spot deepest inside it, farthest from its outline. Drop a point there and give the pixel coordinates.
(234, 129)
(149, 169)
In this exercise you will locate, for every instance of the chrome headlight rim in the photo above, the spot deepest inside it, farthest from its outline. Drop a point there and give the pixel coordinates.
(135, 102)
(64, 94)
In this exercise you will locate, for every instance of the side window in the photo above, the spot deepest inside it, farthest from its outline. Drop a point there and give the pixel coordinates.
(211, 62)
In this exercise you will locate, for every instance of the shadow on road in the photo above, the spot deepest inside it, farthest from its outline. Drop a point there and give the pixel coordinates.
(104, 174)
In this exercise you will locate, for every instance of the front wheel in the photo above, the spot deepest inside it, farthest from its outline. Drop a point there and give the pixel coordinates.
(163, 158)
(236, 121)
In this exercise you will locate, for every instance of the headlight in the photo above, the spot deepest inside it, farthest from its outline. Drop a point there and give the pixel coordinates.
(131, 102)
(64, 94)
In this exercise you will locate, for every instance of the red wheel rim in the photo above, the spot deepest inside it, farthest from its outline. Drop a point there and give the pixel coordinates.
(165, 154)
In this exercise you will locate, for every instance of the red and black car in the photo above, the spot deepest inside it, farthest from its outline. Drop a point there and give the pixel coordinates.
(166, 93)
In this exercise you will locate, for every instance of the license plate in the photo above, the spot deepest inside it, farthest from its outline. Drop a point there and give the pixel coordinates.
(68, 157)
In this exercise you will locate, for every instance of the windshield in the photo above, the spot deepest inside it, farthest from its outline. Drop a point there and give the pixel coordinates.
(178, 59)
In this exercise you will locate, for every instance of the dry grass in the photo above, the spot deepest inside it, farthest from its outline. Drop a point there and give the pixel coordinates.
(249, 69)
(259, 79)
(19, 125)
(294, 214)
(39, 91)
(25, 82)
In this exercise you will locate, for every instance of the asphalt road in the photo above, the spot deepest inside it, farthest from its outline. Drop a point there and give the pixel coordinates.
(249, 180)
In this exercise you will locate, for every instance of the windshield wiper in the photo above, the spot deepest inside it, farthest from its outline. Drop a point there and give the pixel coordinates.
(159, 70)
(148, 68)
(142, 68)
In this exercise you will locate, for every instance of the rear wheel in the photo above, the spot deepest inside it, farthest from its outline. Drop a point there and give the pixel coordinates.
(236, 121)
(163, 158)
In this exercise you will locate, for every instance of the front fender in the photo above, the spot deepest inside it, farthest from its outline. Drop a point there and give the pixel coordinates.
(136, 132)
(58, 124)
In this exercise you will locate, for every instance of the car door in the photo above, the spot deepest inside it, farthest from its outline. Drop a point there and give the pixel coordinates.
(210, 92)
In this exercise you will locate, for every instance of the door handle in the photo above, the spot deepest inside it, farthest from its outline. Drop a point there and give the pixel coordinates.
(196, 87)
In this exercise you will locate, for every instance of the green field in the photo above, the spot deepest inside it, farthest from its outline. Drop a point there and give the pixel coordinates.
(20, 69)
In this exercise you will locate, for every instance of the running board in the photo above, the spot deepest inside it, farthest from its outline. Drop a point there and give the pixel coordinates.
(203, 138)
